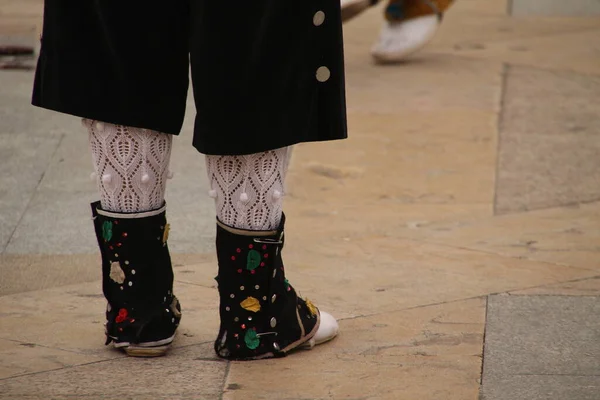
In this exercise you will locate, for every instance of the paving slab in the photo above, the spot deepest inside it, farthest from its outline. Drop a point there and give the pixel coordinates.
(195, 375)
(561, 236)
(74, 315)
(549, 144)
(541, 347)
(24, 162)
(396, 356)
(554, 7)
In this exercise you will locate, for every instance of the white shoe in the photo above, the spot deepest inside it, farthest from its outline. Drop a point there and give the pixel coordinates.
(400, 39)
(328, 329)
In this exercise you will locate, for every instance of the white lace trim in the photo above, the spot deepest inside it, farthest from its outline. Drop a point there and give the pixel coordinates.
(131, 166)
(248, 190)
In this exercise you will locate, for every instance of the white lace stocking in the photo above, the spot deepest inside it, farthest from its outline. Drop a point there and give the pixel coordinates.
(131, 166)
(248, 189)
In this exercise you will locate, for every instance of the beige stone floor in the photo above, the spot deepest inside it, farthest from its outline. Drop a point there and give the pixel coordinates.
(397, 231)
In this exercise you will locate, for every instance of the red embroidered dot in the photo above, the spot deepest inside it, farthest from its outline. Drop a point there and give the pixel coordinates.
(124, 234)
(262, 264)
(237, 346)
(116, 222)
(235, 335)
(250, 246)
(119, 244)
(120, 329)
(110, 247)
(239, 250)
(243, 326)
(253, 271)
(264, 246)
(239, 271)
(232, 258)
(266, 255)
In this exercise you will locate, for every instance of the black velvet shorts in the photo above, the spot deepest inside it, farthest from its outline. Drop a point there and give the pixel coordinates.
(265, 73)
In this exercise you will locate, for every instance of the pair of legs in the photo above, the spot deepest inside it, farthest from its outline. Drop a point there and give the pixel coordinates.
(409, 25)
(131, 171)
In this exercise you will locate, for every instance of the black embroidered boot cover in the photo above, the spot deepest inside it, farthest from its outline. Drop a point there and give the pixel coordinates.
(137, 280)
(261, 314)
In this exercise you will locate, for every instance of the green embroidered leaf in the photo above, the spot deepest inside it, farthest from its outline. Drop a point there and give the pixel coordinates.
(287, 284)
(252, 339)
(253, 260)
(107, 230)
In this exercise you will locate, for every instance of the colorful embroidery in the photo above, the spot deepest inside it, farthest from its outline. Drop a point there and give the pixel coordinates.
(122, 316)
(311, 307)
(116, 273)
(253, 260)
(166, 233)
(252, 339)
(251, 304)
(107, 230)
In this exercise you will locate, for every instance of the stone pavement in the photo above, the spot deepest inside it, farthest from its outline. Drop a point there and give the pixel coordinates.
(463, 211)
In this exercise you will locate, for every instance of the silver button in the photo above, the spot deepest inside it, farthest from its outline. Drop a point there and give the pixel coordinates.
(319, 18)
(273, 322)
(323, 74)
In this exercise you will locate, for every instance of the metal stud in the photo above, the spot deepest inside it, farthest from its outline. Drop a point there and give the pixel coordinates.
(265, 298)
(274, 273)
(273, 322)
(236, 319)
(130, 283)
(256, 287)
(319, 18)
(133, 272)
(242, 288)
(273, 298)
(227, 308)
(232, 295)
(250, 318)
(276, 346)
(323, 74)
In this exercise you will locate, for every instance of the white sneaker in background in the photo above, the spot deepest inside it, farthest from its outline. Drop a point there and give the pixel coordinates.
(400, 39)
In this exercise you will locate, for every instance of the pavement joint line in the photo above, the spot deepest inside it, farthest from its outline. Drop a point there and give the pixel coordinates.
(44, 346)
(485, 325)
(415, 307)
(37, 186)
(551, 375)
(501, 101)
(523, 258)
(514, 64)
(547, 34)
(225, 378)
(61, 368)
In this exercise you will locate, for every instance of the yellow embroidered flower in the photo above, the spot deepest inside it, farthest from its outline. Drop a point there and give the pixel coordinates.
(116, 273)
(311, 307)
(251, 304)
(166, 233)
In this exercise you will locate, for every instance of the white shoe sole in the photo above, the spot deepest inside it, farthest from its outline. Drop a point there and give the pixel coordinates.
(400, 39)
(148, 349)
